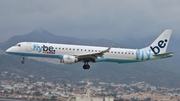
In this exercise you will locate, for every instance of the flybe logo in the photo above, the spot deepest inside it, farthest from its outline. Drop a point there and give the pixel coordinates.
(44, 49)
(161, 44)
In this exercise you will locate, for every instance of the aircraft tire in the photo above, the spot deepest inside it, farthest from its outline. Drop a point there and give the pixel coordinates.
(22, 62)
(86, 66)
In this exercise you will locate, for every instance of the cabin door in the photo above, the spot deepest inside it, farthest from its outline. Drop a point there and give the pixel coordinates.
(29, 47)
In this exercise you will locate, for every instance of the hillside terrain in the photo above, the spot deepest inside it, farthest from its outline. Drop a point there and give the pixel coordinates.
(165, 72)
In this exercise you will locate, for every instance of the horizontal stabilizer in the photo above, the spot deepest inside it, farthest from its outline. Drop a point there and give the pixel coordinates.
(164, 55)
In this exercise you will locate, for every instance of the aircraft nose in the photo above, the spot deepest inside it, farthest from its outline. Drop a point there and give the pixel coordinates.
(8, 50)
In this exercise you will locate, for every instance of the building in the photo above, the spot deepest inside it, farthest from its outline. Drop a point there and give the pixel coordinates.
(87, 96)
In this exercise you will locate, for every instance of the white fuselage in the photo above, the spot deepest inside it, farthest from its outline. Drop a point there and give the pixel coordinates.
(51, 50)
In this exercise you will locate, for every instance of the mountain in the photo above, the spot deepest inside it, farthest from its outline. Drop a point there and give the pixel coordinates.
(165, 72)
(42, 35)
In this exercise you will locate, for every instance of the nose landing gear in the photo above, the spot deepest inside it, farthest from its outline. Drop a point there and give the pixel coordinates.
(23, 60)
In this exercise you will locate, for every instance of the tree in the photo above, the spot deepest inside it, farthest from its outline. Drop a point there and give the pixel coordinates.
(53, 98)
(147, 99)
(18, 92)
(37, 93)
(134, 99)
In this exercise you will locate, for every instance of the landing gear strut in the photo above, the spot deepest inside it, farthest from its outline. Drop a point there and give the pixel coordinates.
(23, 60)
(86, 65)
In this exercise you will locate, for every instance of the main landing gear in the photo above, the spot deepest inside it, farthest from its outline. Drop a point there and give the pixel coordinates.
(23, 60)
(86, 65)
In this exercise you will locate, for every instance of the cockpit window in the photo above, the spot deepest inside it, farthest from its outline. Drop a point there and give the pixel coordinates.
(19, 45)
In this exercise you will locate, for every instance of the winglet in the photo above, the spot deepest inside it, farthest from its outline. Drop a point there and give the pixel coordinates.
(107, 50)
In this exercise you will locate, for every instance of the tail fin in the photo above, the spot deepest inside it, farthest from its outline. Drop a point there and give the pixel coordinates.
(159, 46)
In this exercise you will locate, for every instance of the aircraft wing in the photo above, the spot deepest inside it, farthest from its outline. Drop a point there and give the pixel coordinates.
(92, 56)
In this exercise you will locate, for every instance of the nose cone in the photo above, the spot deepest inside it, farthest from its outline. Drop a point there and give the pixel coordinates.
(9, 50)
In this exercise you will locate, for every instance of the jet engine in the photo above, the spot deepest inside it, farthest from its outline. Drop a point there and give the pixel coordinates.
(67, 59)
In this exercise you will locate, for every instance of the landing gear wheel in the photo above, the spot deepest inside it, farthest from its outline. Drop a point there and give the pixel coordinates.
(86, 65)
(22, 62)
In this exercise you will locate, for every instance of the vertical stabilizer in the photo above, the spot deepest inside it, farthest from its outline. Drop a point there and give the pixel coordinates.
(159, 46)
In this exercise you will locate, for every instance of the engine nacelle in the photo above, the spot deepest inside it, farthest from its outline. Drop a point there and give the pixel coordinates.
(67, 59)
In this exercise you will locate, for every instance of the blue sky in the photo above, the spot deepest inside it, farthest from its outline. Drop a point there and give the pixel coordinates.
(94, 19)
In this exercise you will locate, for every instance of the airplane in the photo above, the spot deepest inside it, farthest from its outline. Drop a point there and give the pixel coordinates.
(69, 54)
